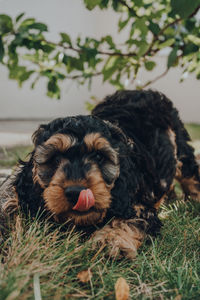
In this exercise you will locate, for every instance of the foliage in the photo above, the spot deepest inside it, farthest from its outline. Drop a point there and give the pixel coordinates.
(152, 26)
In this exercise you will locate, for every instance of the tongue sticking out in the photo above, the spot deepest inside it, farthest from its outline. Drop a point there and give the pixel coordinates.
(85, 201)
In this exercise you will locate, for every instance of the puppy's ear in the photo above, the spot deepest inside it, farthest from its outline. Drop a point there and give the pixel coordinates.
(29, 194)
(39, 135)
(116, 132)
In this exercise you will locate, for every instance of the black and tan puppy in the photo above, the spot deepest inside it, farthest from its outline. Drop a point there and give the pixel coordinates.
(109, 172)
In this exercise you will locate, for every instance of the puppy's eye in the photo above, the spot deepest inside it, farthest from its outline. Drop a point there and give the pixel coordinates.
(100, 157)
(55, 160)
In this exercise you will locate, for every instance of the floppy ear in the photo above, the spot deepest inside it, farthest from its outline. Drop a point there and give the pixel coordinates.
(29, 193)
(39, 135)
(136, 181)
(125, 189)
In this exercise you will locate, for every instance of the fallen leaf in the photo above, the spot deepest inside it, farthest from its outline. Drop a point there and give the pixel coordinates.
(84, 276)
(121, 289)
(178, 297)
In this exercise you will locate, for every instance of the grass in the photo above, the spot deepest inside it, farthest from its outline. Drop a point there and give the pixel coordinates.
(10, 156)
(168, 267)
(194, 130)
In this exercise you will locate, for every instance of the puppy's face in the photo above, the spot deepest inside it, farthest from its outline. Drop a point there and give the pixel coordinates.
(65, 165)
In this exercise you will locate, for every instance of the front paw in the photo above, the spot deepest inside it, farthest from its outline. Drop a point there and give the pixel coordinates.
(121, 238)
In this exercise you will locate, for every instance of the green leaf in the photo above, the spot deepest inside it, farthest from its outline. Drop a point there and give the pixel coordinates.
(190, 48)
(90, 4)
(65, 38)
(141, 25)
(40, 26)
(198, 75)
(167, 43)
(154, 28)
(19, 73)
(13, 56)
(172, 57)
(26, 23)
(108, 73)
(110, 67)
(139, 3)
(122, 24)
(1, 50)
(149, 65)
(53, 88)
(46, 47)
(143, 47)
(24, 76)
(89, 106)
(108, 39)
(19, 17)
(73, 63)
(111, 61)
(5, 24)
(184, 8)
(194, 39)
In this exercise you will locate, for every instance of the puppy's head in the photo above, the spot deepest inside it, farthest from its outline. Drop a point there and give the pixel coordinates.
(76, 160)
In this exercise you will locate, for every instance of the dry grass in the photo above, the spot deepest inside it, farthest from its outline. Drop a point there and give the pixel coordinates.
(165, 268)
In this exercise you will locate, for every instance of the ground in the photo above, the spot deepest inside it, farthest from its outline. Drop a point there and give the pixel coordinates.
(34, 257)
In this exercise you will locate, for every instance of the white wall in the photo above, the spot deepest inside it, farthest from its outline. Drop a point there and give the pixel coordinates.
(72, 17)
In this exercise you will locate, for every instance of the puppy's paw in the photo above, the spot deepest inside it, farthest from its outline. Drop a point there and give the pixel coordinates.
(120, 237)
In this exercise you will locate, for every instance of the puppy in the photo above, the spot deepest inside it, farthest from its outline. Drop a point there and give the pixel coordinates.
(108, 172)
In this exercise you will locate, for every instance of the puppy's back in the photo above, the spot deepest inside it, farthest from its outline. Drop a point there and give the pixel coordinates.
(138, 113)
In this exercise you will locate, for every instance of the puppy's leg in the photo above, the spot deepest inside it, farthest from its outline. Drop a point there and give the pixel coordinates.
(189, 179)
(121, 237)
(164, 151)
(187, 168)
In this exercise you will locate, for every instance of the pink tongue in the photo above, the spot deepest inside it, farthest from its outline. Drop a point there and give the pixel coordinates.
(85, 201)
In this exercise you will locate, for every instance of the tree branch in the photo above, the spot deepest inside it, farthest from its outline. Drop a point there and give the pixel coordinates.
(82, 76)
(154, 80)
(155, 38)
(98, 51)
(130, 9)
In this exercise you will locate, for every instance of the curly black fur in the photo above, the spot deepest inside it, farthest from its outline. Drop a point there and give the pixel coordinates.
(136, 123)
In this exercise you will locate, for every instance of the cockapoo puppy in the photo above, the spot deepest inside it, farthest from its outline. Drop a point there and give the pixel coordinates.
(107, 172)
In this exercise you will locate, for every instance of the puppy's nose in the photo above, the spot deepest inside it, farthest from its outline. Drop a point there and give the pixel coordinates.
(72, 193)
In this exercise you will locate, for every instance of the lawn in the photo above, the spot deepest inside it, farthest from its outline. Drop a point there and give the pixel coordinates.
(35, 257)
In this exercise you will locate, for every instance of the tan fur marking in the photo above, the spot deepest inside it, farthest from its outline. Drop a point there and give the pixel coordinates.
(191, 187)
(12, 204)
(95, 142)
(61, 142)
(55, 200)
(120, 236)
(178, 170)
(172, 137)
(161, 201)
(138, 209)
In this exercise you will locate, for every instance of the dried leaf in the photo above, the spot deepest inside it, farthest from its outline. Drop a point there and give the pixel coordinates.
(178, 297)
(121, 289)
(84, 276)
